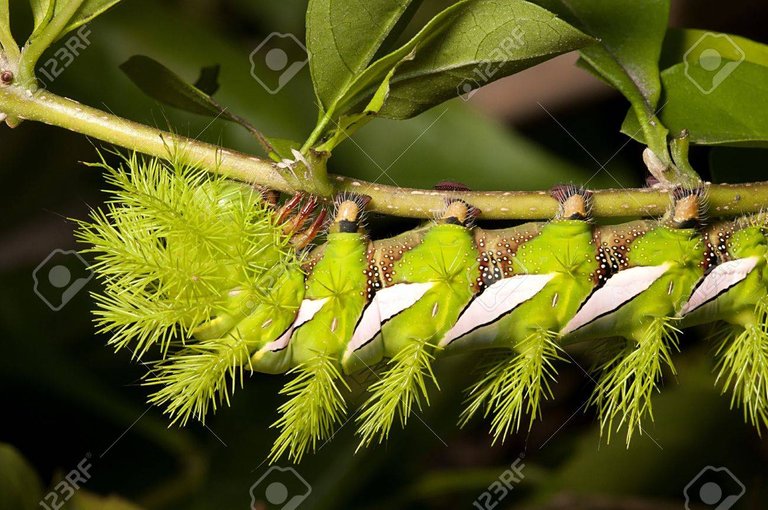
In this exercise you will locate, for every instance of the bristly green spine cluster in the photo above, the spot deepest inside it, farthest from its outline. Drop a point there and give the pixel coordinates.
(512, 387)
(314, 408)
(624, 390)
(395, 393)
(173, 248)
(743, 367)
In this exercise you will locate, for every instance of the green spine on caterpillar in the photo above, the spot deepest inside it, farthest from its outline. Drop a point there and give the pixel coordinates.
(178, 252)
(444, 260)
(340, 287)
(640, 303)
(556, 271)
(206, 371)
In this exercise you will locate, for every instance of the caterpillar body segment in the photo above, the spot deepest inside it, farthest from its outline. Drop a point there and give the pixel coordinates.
(659, 269)
(736, 283)
(555, 271)
(552, 273)
(640, 303)
(438, 276)
(735, 292)
(312, 347)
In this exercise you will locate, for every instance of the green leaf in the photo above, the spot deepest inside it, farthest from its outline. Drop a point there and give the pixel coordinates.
(357, 94)
(162, 84)
(87, 11)
(348, 124)
(19, 485)
(343, 37)
(631, 34)
(680, 42)
(732, 112)
(485, 40)
(469, 41)
(7, 42)
(42, 11)
(45, 10)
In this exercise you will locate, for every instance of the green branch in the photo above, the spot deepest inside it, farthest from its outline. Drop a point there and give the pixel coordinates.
(42, 106)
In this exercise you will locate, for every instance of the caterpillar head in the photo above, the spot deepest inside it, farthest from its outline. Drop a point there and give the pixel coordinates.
(575, 202)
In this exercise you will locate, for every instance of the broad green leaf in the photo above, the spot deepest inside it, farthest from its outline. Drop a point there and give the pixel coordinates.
(630, 36)
(45, 10)
(717, 109)
(368, 82)
(688, 45)
(162, 84)
(42, 10)
(343, 37)
(357, 94)
(19, 485)
(87, 11)
(7, 42)
(486, 40)
(348, 124)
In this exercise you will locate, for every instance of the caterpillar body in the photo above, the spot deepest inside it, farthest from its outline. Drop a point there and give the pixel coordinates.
(520, 294)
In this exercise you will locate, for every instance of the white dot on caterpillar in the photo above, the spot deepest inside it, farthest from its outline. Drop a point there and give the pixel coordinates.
(434, 309)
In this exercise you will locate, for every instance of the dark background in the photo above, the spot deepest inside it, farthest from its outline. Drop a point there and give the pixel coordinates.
(66, 395)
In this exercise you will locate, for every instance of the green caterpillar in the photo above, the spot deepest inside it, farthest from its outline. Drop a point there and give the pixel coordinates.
(218, 273)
